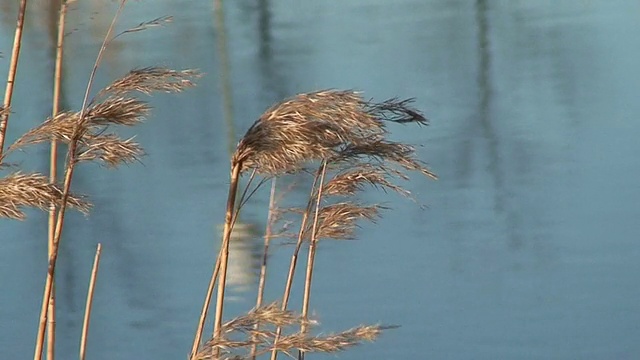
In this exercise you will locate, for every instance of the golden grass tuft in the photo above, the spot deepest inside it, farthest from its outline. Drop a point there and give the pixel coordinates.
(110, 149)
(229, 346)
(152, 79)
(338, 221)
(315, 126)
(18, 190)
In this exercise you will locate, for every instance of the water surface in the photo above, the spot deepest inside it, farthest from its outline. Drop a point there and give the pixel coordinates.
(527, 248)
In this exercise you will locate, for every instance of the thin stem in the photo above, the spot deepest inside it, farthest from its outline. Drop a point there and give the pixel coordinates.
(311, 256)
(87, 309)
(13, 69)
(267, 238)
(244, 197)
(53, 258)
(71, 162)
(53, 169)
(265, 256)
(294, 261)
(205, 307)
(224, 259)
(216, 269)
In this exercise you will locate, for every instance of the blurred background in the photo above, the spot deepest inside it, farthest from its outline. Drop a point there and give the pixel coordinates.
(528, 245)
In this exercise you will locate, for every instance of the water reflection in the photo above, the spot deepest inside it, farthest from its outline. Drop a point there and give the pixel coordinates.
(244, 244)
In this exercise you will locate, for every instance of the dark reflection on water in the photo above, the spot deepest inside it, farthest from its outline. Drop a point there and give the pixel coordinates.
(528, 247)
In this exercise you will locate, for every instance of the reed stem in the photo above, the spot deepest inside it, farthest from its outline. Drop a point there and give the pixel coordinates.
(71, 162)
(311, 256)
(53, 169)
(205, 308)
(87, 310)
(224, 253)
(293, 263)
(13, 69)
(265, 256)
(267, 240)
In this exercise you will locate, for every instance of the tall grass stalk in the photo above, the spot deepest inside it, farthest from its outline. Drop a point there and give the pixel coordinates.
(89, 303)
(267, 239)
(220, 268)
(312, 253)
(53, 169)
(294, 262)
(265, 256)
(71, 162)
(224, 258)
(11, 77)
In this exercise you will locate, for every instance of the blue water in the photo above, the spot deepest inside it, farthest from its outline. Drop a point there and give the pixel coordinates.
(527, 248)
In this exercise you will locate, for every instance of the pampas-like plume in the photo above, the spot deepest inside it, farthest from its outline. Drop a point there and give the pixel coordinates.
(110, 149)
(117, 110)
(330, 343)
(273, 316)
(299, 341)
(111, 111)
(150, 79)
(19, 190)
(270, 314)
(383, 150)
(60, 127)
(352, 180)
(316, 126)
(338, 221)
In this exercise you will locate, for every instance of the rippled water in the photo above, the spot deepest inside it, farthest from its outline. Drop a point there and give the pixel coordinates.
(528, 248)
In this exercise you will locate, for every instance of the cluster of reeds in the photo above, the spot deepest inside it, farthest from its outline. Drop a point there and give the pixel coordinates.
(338, 137)
(89, 135)
(345, 139)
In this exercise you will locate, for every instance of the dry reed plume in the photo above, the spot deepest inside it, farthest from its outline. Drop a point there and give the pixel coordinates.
(238, 334)
(18, 190)
(90, 132)
(324, 125)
